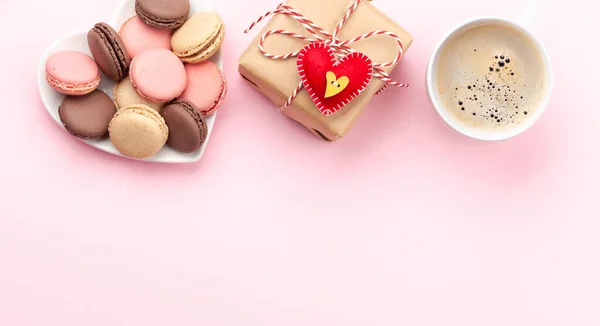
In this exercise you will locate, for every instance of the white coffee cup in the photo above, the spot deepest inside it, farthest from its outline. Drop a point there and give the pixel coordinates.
(521, 25)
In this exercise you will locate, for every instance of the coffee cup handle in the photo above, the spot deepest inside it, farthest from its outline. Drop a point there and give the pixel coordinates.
(528, 13)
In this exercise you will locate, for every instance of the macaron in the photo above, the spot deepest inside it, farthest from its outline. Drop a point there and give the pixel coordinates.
(139, 37)
(87, 116)
(72, 73)
(206, 87)
(158, 75)
(109, 51)
(187, 127)
(199, 38)
(168, 14)
(138, 131)
(124, 95)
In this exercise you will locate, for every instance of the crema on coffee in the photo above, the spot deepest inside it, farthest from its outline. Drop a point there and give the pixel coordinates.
(491, 76)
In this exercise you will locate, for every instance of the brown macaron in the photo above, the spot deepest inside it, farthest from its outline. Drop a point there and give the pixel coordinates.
(87, 116)
(109, 51)
(187, 127)
(167, 14)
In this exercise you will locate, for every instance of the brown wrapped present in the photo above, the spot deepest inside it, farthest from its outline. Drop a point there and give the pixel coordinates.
(277, 79)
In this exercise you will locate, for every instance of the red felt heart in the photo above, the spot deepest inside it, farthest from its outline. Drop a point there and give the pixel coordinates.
(316, 60)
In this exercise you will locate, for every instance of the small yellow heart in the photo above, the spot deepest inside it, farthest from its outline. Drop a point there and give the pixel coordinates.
(335, 85)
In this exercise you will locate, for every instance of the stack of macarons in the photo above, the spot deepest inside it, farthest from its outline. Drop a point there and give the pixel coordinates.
(165, 85)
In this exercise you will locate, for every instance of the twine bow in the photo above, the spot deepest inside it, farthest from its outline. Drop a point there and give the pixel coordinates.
(340, 48)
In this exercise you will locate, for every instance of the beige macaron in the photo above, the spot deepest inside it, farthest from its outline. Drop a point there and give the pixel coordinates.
(138, 131)
(125, 95)
(199, 38)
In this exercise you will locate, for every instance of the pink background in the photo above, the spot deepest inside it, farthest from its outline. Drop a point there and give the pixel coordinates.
(404, 222)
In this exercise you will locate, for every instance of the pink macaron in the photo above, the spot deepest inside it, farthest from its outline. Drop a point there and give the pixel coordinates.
(139, 37)
(206, 87)
(158, 75)
(72, 73)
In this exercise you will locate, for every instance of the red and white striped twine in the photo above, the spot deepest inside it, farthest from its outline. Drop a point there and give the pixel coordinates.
(340, 48)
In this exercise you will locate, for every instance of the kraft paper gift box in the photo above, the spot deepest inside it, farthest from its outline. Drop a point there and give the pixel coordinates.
(277, 79)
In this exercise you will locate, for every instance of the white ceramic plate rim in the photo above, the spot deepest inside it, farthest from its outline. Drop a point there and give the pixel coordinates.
(167, 154)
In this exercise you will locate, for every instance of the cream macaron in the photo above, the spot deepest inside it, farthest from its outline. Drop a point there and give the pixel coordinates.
(138, 131)
(124, 94)
(199, 38)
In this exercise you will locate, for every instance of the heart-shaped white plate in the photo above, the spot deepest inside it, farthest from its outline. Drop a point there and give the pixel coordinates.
(78, 41)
